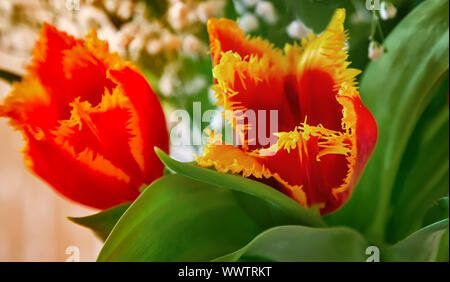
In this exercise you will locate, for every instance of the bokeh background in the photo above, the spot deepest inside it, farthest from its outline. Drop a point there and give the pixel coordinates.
(168, 41)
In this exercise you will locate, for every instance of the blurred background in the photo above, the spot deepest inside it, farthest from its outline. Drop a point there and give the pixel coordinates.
(168, 41)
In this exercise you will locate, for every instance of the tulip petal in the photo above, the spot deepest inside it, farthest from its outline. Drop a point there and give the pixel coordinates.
(243, 85)
(225, 35)
(89, 179)
(320, 71)
(28, 103)
(78, 68)
(151, 123)
(320, 166)
(106, 129)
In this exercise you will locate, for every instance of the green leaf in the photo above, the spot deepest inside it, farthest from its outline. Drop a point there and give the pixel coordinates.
(397, 90)
(300, 244)
(423, 174)
(437, 212)
(422, 245)
(9, 76)
(443, 253)
(180, 219)
(103, 222)
(308, 217)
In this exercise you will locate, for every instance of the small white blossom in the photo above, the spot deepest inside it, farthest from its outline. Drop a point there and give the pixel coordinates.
(248, 22)
(178, 15)
(192, 45)
(91, 17)
(265, 10)
(68, 25)
(171, 42)
(136, 46)
(375, 51)
(250, 3)
(209, 9)
(387, 10)
(125, 9)
(154, 47)
(195, 85)
(297, 30)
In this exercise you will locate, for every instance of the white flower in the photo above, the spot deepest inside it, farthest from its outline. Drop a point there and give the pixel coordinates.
(135, 48)
(387, 10)
(178, 15)
(375, 51)
(248, 22)
(68, 25)
(171, 42)
(265, 10)
(192, 45)
(250, 3)
(154, 47)
(125, 9)
(297, 30)
(91, 17)
(208, 9)
(195, 85)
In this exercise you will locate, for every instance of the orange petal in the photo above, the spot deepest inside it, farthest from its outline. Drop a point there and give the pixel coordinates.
(109, 129)
(251, 84)
(151, 122)
(225, 35)
(87, 179)
(320, 71)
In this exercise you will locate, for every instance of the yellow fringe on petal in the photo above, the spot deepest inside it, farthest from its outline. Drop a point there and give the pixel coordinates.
(218, 29)
(348, 124)
(80, 116)
(328, 52)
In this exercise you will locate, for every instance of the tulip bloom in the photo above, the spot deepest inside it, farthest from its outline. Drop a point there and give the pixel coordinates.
(90, 120)
(325, 134)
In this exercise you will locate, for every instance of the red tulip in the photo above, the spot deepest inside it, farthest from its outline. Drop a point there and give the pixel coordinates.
(325, 135)
(90, 120)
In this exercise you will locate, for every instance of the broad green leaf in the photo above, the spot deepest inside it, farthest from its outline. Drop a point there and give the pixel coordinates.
(423, 174)
(397, 89)
(180, 219)
(422, 245)
(437, 212)
(300, 244)
(443, 253)
(291, 208)
(103, 222)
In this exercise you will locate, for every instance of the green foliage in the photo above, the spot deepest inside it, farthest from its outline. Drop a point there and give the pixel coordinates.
(179, 219)
(9, 76)
(288, 206)
(422, 245)
(103, 222)
(299, 243)
(398, 89)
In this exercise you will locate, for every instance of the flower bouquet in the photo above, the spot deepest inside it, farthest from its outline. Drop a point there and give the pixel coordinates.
(314, 158)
